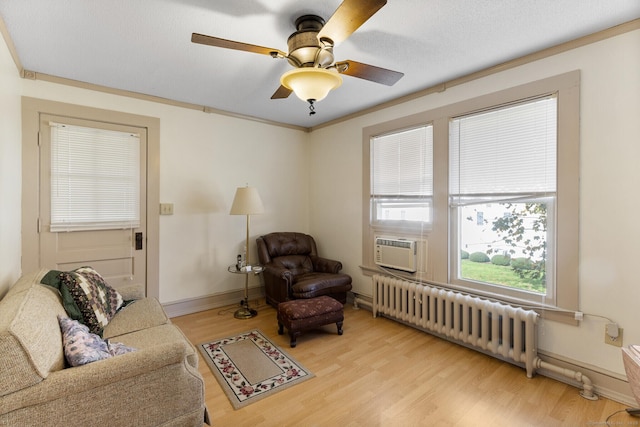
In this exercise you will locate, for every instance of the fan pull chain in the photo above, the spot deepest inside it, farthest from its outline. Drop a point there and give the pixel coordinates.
(312, 109)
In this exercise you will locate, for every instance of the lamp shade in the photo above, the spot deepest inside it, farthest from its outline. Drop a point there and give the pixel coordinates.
(246, 202)
(311, 83)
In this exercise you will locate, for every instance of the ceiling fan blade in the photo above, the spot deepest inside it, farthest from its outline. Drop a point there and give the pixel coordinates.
(369, 72)
(230, 44)
(349, 16)
(281, 93)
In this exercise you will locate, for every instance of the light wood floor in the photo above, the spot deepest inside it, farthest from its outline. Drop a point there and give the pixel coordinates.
(382, 373)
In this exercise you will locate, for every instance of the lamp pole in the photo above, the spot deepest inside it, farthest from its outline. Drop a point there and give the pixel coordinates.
(245, 312)
(246, 202)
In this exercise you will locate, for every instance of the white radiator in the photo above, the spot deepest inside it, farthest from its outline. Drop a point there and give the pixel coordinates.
(507, 332)
(500, 329)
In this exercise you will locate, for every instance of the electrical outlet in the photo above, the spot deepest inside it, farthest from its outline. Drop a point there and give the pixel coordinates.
(613, 341)
(166, 208)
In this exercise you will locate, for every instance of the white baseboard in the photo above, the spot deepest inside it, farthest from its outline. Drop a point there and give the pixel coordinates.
(223, 299)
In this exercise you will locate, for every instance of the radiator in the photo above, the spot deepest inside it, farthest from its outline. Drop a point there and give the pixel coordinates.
(507, 332)
(502, 330)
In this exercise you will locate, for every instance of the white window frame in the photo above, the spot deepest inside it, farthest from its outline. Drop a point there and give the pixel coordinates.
(500, 188)
(436, 265)
(422, 192)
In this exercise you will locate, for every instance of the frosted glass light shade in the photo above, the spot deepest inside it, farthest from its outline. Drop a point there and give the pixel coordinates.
(246, 202)
(311, 83)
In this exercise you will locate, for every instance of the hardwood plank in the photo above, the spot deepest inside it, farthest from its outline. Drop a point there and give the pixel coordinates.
(383, 373)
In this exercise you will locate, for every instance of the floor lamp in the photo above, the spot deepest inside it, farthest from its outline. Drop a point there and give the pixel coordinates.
(246, 202)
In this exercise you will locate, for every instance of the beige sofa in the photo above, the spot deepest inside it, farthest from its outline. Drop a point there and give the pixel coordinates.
(156, 385)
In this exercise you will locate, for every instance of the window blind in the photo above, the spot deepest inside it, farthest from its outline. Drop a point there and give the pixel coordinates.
(402, 163)
(95, 178)
(510, 150)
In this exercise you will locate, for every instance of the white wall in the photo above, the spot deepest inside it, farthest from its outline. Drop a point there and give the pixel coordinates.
(200, 171)
(203, 159)
(609, 206)
(10, 171)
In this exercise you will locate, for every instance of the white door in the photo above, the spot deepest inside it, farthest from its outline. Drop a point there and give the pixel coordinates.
(117, 252)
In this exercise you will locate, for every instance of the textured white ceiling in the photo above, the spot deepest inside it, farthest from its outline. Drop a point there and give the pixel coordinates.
(145, 46)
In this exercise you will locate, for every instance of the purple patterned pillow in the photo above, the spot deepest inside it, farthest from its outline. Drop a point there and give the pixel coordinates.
(82, 347)
(98, 302)
(117, 348)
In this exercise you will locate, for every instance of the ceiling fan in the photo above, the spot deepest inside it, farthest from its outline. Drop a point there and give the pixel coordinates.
(311, 53)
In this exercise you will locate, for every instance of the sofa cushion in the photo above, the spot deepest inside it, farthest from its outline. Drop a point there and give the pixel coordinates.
(30, 338)
(82, 347)
(98, 302)
(136, 316)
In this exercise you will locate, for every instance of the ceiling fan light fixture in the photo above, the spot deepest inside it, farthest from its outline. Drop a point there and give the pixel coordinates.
(311, 83)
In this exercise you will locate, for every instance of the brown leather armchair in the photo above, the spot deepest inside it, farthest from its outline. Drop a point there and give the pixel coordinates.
(293, 269)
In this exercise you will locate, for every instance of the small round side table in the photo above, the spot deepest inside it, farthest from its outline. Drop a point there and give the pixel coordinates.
(245, 312)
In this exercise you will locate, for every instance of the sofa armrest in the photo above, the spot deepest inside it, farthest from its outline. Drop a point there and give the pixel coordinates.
(77, 380)
(325, 265)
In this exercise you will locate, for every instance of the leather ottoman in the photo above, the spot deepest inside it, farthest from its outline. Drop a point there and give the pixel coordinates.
(301, 314)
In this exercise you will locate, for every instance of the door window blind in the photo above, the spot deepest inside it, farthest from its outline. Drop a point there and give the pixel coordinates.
(95, 178)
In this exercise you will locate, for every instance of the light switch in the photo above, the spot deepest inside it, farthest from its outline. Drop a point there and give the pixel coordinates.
(166, 208)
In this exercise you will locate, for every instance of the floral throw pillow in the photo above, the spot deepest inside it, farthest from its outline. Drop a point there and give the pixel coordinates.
(82, 347)
(98, 302)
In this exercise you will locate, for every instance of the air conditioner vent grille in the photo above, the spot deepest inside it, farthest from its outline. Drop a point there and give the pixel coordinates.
(399, 254)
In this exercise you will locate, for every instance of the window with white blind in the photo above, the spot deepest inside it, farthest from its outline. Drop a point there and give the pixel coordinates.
(502, 194)
(495, 184)
(95, 178)
(402, 177)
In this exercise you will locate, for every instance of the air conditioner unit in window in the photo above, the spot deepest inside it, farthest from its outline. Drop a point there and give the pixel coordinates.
(399, 254)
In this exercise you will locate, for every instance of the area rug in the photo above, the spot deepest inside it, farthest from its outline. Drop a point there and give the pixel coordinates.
(249, 367)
